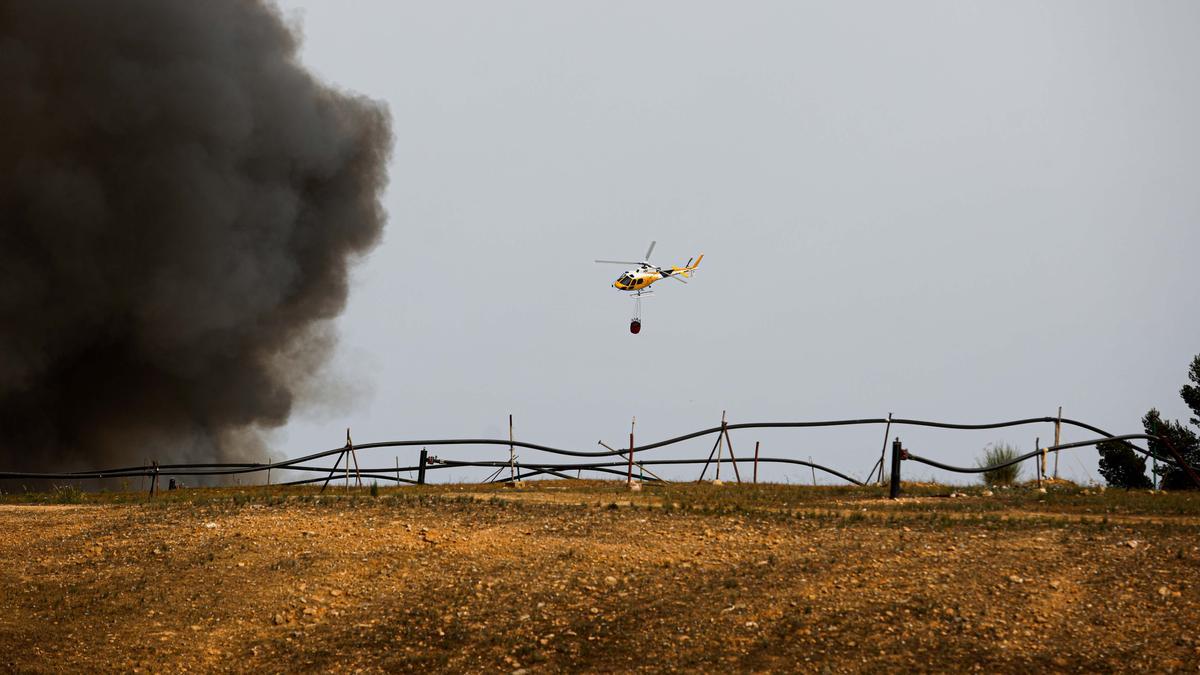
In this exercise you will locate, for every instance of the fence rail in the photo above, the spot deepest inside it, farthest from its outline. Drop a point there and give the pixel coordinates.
(520, 470)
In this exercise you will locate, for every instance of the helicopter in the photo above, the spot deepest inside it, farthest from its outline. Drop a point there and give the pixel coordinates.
(639, 279)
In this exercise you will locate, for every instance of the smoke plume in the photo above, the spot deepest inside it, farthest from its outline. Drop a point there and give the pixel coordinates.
(179, 204)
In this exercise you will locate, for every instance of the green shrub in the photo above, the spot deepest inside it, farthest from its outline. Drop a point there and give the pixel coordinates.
(1121, 466)
(999, 453)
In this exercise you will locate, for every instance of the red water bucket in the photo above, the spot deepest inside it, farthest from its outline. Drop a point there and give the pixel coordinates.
(635, 326)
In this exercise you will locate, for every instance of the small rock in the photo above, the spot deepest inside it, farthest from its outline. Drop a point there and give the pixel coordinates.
(986, 493)
(1132, 543)
(1015, 579)
(278, 619)
(611, 581)
(210, 526)
(1164, 591)
(1041, 491)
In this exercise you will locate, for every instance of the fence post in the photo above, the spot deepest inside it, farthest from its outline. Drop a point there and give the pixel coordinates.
(1057, 439)
(886, 430)
(421, 471)
(154, 480)
(894, 490)
(512, 456)
(756, 462)
(629, 472)
(1037, 445)
(720, 440)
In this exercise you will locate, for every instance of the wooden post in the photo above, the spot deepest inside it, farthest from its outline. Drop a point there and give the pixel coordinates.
(709, 460)
(720, 439)
(1154, 458)
(332, 471)
(154, 479)
(629, 473)
(1037, 443)
(894, 489)
(353, 456)
(729, 444)
(421, 470)
(814, 470)
(756, 462)
(1057, 439)
(883, 450)
(398, 471)
(512, 459)
(347, 454)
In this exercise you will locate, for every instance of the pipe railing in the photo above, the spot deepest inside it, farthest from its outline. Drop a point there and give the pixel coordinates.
(557, 469)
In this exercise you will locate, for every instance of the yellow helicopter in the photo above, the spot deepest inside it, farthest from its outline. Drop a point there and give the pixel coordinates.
(639, 279)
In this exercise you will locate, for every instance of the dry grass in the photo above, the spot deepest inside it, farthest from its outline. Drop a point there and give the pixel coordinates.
(586, 576)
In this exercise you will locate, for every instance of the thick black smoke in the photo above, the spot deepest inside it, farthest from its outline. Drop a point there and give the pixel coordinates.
(179, 203)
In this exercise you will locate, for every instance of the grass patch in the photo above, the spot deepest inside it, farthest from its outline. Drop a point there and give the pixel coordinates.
(1000, 453)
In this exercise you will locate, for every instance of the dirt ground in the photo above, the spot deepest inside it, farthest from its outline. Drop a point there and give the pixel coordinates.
(589, 577)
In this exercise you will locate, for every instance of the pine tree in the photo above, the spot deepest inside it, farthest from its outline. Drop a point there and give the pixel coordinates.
(1191, 392)
(1183, 439)
(1121, 466)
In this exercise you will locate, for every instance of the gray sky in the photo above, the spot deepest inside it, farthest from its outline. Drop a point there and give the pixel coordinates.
(955, 211)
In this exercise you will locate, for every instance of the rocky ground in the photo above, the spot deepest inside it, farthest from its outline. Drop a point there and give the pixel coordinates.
(589, 577)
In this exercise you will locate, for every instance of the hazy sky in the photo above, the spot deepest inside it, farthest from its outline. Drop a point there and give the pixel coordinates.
(955, 211)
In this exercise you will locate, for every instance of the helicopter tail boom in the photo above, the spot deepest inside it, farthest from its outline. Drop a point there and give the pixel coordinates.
(689, 267)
